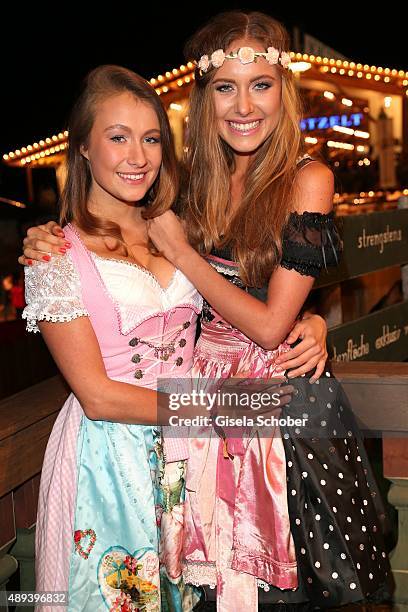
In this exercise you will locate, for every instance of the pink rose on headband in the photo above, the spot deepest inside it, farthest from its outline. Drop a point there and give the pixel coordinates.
(246, 55)
(285, 59)
(272, 55)
(217, 58)
(204, 63)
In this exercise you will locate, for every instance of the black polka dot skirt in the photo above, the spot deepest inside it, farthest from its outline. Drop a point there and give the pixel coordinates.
(336, 513)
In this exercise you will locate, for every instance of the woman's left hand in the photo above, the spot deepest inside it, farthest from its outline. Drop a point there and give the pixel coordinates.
(168, 236)
(310, 353)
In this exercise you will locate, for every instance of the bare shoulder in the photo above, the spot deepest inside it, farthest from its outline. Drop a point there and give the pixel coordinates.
(314, 188)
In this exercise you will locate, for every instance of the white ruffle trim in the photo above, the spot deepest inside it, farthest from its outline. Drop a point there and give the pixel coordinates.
(53, 292)
(200, 573)
(32, 322)
(205, 574)
(223, 268)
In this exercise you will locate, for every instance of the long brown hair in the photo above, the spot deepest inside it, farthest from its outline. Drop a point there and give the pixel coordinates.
(100, 84)
(256, 228)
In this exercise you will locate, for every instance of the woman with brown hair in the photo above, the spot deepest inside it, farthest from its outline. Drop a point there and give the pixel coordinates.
(107, 306)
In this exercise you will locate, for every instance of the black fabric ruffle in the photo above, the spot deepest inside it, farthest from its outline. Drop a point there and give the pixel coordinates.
(311, 242)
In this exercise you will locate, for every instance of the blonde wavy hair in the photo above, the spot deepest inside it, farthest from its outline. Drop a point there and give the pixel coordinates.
(255, 231)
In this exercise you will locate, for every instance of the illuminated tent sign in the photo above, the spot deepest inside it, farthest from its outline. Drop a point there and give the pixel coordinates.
(324, 123)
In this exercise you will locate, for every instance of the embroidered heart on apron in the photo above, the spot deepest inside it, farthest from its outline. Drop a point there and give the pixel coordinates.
(130, 578)
(81, 534)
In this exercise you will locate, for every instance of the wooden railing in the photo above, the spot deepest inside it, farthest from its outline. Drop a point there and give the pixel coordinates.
(377, 391)
(26, 420)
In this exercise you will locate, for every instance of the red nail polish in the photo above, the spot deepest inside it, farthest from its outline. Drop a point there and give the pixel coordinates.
(30, 262)
(68, 245)
(62, 250)
(46, 257)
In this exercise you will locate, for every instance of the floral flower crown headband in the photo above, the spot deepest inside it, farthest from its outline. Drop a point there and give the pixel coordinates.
(246, 55)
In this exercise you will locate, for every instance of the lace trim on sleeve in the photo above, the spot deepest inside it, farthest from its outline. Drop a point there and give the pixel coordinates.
(53, 293)
(311, 242)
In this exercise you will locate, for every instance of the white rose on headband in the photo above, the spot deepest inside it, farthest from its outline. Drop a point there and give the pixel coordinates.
(246, 55)
(217, 58)
(204, 63)
(272, 55)
(285, 59)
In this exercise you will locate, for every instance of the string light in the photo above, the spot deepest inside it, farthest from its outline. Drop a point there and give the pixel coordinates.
(340, 145)
(343, 130)
(299, 66)
(22, 153)
(13, 203)
(361, 134)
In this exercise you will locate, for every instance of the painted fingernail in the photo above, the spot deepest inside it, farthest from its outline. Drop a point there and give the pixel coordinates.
(46, 257)
(29, 262)
(67, 244)
(62, 250)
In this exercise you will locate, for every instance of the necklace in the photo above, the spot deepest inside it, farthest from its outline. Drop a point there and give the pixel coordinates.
(161, 351)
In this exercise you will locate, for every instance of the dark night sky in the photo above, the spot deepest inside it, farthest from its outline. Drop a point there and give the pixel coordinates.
(46, 53)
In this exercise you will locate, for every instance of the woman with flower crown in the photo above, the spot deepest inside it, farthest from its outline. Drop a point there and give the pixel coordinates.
(295, 512)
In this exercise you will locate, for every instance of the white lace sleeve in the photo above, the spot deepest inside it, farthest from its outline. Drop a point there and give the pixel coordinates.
(52, 292)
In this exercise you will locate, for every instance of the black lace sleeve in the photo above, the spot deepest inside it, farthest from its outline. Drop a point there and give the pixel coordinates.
(311, 242)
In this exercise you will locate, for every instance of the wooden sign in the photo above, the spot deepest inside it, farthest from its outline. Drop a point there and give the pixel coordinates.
(380, 336)
(370, 242)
